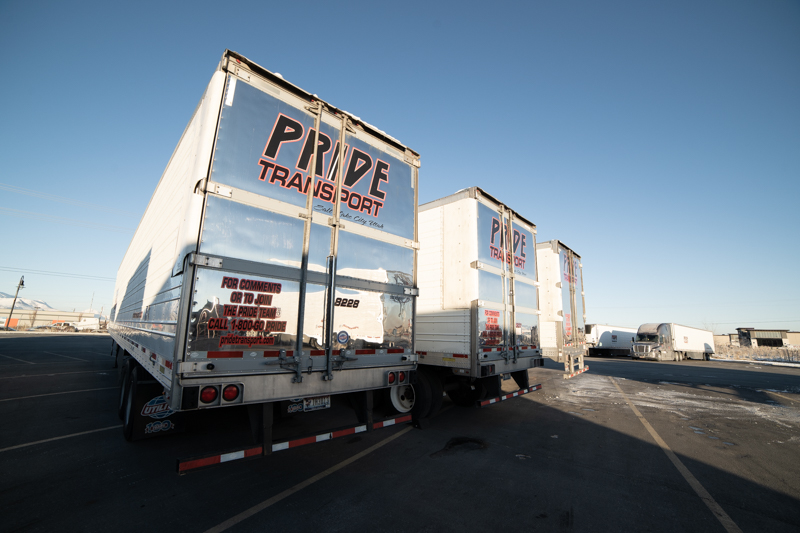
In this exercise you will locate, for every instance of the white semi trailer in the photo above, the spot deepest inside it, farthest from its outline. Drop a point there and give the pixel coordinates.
(604, 340)
(672, 342)
(275, 262)
(562, 305)
(477, 315)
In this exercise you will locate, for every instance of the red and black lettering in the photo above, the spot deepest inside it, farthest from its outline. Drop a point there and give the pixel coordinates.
(286, 129)
(230, 283)
(381, 174)
(360, 164)
(308, 151)
(217, 324)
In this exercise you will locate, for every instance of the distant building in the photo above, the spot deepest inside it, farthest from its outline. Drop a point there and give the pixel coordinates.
(793, 338)
(727, 339)
(23, 319)
(764, 337)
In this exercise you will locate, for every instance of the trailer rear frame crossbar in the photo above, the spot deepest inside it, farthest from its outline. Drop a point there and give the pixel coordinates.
(504, 397)
(581, 371)
(186, 465)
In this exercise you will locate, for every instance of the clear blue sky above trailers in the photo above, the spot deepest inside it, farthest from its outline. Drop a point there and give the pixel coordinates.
(660, 141)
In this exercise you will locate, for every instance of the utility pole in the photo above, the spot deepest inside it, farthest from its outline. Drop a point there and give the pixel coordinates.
(20, 285)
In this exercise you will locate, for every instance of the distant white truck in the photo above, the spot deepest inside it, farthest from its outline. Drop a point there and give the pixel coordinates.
(672, 342)
(604, 340)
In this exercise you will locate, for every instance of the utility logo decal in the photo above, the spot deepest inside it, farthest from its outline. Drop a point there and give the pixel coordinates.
(157, 408)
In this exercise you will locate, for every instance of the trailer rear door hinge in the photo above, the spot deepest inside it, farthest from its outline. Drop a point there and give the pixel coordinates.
(204, 260)
(411, 291)
(476, 264)
(412, 244)
(410, 159)
(222, 191)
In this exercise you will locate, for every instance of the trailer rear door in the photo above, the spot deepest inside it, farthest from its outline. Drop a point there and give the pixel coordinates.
(282, 268)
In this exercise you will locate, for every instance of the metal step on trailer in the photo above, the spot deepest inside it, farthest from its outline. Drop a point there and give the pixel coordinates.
(186, 465)
(504, 397)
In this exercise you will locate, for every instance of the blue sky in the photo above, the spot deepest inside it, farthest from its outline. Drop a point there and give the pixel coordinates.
(659, 140)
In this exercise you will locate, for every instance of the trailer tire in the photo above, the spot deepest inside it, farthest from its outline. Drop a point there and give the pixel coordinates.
(402, 398)
(437, 390)
(423, 396)
(465, 396)
(492, 387)
(130, 403)
(127, 363)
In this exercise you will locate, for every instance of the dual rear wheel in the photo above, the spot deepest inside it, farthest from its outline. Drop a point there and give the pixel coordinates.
(422, 399)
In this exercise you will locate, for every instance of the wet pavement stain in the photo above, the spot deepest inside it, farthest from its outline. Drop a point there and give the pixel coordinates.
(460, 444)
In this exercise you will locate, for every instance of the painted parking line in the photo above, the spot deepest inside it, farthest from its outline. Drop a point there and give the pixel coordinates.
(15, 359)
(67, 356)
(57, 438)
(300, 486)
(56, 374)
(55, 394)
(726, 521)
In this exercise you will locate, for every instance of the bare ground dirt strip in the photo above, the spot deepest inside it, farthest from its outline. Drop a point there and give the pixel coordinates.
(574, 456)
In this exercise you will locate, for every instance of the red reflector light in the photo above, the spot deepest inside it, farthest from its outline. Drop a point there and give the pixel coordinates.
(208, 394)
(401, 377)
(230, 393)
(391, 378)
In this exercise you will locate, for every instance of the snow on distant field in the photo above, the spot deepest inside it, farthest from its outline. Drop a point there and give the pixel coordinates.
(22, 303)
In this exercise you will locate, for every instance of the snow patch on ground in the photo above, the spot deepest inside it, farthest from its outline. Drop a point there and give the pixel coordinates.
(596, 391)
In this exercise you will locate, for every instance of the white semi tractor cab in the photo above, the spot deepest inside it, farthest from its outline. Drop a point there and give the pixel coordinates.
(275, 262)
(604, 340)
(561, 303)
(672, 342)
(477, 314)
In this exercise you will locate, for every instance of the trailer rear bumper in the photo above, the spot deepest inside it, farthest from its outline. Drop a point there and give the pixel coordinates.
(277, 387)
(504, 397)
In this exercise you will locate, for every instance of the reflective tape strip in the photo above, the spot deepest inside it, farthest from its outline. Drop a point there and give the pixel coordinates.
(391, 422)
(184, 466)
(224, 355)
(461, 355)
(509, 395)
(578, 372)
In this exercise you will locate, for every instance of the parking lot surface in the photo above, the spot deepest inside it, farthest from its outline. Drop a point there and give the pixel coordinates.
(627, 446)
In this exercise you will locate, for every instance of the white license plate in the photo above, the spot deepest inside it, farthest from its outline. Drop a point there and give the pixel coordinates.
(315, 404)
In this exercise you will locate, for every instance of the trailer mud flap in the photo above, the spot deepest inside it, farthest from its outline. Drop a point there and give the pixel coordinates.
(504, 397)
(153, 416)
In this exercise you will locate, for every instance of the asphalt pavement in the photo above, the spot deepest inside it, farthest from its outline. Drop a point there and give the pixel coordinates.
(627, 446)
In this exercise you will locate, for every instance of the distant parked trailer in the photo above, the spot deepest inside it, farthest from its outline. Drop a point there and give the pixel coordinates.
(604, 340)
(561, 304)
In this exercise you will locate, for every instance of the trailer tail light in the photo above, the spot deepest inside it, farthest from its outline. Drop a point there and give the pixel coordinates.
(392, 378)
(230, 393)
(401, 377)
(209, 394)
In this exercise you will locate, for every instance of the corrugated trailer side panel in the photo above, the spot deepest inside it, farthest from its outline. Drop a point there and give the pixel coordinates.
(549, 299)
(146, 296)
(443, 313)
